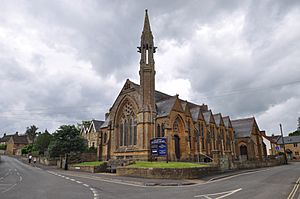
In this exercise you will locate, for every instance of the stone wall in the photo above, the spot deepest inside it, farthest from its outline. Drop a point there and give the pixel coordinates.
(169, 173)
(91, 169)
(257, 164)
(47, 161)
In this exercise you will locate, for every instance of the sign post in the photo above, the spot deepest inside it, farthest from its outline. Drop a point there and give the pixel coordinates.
(159, 147)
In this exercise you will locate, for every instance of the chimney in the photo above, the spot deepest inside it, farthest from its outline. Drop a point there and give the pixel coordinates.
(17, 133)
(4, 134)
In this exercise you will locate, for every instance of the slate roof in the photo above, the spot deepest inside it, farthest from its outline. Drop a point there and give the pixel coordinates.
(97, 124)
(5, 138)
(217, 118)
(159, 96)
(20, 139)
(164, 107)
(106, 122)
(289, 140)
(243, 127)
(164, 102)
(195, 113)
(273, 138)
(207, 115)
(226, 121)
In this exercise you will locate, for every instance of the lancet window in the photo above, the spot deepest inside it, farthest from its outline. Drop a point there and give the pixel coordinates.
(127, 126)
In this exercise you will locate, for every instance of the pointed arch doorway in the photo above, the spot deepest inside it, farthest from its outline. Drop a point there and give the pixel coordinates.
(177, 146)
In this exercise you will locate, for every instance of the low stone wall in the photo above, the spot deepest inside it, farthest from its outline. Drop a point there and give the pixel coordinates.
(46, 161)
(257, 164)
(90, 169)
(167, 173)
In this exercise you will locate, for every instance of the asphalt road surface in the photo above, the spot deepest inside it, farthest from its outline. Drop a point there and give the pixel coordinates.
(18, 180)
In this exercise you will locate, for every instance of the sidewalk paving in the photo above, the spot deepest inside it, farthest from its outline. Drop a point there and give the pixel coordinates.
(140, 181)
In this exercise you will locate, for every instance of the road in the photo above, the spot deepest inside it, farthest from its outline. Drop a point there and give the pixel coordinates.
(18, 180)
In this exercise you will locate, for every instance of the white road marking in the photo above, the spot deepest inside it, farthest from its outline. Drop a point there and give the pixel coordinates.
(78, 182)
(6, 190)
(222, 194)
(294, 190)
(86, 185)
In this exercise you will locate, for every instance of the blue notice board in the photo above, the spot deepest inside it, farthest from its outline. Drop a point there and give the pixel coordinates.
(158, 146)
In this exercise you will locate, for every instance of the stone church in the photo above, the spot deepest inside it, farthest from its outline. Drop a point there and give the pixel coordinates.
(141, 113)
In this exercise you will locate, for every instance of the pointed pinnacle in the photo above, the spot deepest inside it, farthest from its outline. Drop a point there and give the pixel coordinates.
(146, 23)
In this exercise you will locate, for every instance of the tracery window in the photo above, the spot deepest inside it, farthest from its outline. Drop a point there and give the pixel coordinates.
(127, 126)
(163, 130)
(176, 125)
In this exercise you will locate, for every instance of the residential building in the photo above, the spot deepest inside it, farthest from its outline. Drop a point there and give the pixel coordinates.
(292, 146)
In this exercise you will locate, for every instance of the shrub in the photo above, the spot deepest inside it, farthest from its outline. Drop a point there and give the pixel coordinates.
(2, 146)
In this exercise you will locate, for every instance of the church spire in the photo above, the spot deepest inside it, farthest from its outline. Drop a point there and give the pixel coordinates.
(147, 69)
(147, 28)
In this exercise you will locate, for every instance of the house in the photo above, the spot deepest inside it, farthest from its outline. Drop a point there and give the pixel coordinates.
(15, 143)
(292, 146)
(5, 139)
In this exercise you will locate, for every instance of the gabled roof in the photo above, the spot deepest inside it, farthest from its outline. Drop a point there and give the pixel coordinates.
(208, 117)
(96, 124)
(186, 107)
(20, 139)
(289, 140)
(197, 113)
(227, 122)
(164, 107)
(5, 138)
(218, 119)
(243, 127)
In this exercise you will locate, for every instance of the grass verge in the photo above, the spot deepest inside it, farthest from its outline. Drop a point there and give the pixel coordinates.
(142, 164)
(97, 163)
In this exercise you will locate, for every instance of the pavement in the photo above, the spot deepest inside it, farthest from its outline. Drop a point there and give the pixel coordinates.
(143, 181)
(20, 180)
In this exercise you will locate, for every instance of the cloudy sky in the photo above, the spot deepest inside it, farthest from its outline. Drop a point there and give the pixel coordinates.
(65, 61)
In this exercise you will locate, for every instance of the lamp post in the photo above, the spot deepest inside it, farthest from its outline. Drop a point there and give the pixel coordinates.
(285, 158)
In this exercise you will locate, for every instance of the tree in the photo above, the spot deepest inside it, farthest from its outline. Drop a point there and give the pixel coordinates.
(65, 140)
(295, 133)
(42, 142)
(31, 132)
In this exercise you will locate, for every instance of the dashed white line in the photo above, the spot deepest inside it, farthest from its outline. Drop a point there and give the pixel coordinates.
(93, 190)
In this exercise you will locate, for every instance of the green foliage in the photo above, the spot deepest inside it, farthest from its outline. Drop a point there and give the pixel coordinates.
(2, 146)
(42, 142)
(27, 149)
(65, 140)
(295, 133)
(31, 132)
(89, 164)
(142, 164)
(91, 150)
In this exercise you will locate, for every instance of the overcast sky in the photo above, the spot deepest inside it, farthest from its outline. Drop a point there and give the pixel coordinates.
(65, 61)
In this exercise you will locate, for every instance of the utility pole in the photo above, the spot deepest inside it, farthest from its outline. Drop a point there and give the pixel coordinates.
(285, 158)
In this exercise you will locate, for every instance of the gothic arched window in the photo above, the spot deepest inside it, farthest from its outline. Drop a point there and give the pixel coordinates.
(128, 126)
(158, 130)
(162, 130)
(176, 125)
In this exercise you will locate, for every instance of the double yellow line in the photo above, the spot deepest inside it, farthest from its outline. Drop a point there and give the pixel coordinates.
(294, 191)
